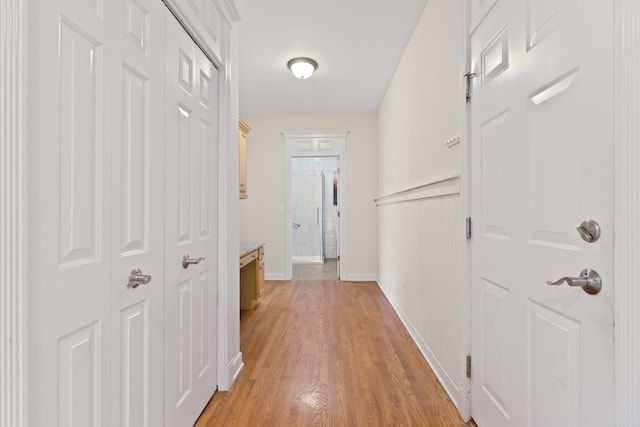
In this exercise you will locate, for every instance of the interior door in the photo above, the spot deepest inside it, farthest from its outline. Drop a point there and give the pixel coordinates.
(137, 212)
(94, 196)
(191, 124)
(69, 214)
(542, 155)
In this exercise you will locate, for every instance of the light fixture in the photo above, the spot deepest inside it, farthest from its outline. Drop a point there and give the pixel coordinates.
(302, 68)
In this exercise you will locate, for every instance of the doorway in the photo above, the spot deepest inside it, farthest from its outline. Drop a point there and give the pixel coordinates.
(316, 145)
(315, 226)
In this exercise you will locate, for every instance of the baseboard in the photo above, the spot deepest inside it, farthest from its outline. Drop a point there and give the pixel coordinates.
(349, 278)
(232, 369)
(457, 396)
(361, 278)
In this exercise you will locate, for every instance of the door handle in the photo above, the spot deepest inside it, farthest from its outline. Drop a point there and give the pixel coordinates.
(136, 278)
(589, 230)
(186, 261)
(589, 281)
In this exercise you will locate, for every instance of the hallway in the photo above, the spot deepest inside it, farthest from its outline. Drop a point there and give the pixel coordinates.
(325, 352)
(325, 271)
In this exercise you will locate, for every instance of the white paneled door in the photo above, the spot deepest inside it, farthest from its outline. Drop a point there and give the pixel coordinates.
(191, 220)
(114, 203)
(96, 204)
(137, 215)
(542, 155)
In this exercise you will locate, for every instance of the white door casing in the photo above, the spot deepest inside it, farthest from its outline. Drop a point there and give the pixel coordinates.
(191, 227)
(542, 162)
(316, 144)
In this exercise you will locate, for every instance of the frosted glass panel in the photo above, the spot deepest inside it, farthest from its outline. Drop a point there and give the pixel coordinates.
(307, 209)
(314, 209)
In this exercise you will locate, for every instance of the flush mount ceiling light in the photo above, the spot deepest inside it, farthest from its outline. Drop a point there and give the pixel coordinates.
(302, 68)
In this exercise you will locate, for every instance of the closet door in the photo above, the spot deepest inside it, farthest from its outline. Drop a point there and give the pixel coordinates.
(137, 208)
(191, 234)
(69, 227)
(95, 212)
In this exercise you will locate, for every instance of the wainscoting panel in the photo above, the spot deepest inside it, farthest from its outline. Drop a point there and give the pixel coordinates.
(420, 273)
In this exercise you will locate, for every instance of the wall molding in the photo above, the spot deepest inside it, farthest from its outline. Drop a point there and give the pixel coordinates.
(275, 276)
(205, 23)
(361, 278)
(434, 188)
(627, 211)
(13, 356)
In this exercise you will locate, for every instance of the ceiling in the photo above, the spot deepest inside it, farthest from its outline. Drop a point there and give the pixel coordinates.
(357, 44)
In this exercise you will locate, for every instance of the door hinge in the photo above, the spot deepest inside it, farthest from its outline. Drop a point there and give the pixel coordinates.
(468, 78)
(469, 366)
(338, 257)
(338, 214)
(468, 227)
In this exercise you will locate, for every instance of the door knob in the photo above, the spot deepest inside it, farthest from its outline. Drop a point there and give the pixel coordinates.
(589, 230)
(186, 261)
(136, 278)
(589, 281)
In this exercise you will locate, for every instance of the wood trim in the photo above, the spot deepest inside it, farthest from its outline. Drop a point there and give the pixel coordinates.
(229, 357)
(194, 25)
(434, 188)
(289, 134)
(340, 151)
(13, 332)
(627, 211)
(243, 126)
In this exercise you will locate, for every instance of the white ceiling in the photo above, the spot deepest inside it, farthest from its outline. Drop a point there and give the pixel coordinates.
(357, 44)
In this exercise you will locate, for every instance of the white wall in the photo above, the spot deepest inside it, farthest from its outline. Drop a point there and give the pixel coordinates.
(420, 109)
(419, 221)
(262, 214)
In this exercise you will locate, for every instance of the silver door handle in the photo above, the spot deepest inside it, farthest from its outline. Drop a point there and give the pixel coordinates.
(186, 261)
(589, 281)
(136, 278)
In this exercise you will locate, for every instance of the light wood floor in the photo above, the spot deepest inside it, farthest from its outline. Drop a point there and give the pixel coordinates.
(325, 271)
(329, 353)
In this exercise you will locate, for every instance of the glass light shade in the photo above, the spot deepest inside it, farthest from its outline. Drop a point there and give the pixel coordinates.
(302, 68)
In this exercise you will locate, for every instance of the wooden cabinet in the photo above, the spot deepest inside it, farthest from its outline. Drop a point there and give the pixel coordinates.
(244, 130)
(251, 274)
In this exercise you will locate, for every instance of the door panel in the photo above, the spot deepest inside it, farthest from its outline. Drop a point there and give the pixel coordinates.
(138, 214)
(191, 209)
(96, 200)
(69, 215)
(541, 123)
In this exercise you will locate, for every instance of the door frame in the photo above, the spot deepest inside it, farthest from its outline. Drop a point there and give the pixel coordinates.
(309, 144)
(13, 212)
(626, 208)
(14, 145)
(626, 211)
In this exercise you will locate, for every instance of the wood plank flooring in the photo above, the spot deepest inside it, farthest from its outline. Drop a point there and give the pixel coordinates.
(329, 353)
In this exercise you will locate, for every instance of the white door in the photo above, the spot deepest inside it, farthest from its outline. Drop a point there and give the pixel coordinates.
(191, 124)
(542, 155)
(94, 201)
(137, 215)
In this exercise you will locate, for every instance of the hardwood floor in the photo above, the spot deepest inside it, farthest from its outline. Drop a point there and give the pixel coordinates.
(329, 353)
